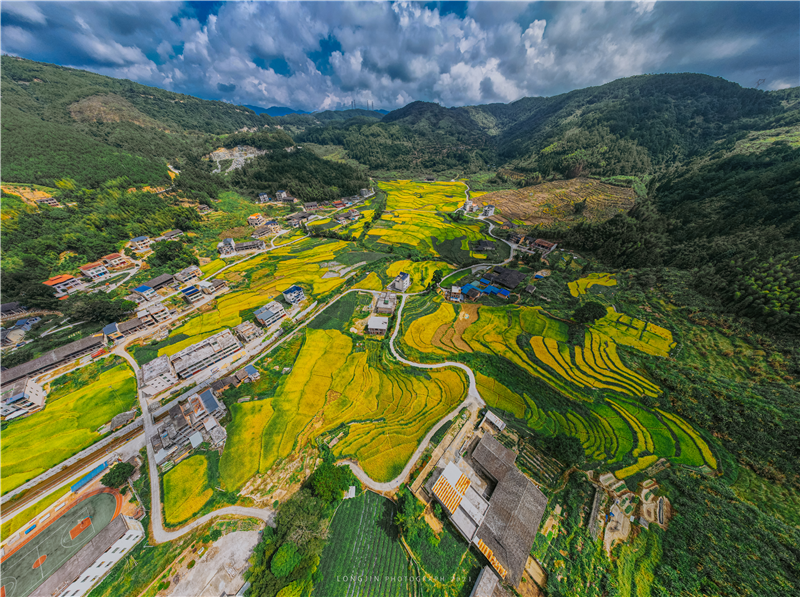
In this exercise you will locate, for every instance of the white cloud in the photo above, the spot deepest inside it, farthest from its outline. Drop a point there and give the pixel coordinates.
(26, 11)
(387, 53)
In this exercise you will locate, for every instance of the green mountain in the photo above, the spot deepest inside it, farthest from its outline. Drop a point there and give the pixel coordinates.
(60, 122)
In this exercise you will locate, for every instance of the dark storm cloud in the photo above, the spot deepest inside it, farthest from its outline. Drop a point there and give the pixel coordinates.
(323, 55)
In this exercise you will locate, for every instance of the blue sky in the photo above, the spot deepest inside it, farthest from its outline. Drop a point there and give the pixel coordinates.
(323, 55)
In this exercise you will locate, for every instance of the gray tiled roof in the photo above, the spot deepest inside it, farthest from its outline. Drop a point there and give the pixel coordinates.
(52, 358)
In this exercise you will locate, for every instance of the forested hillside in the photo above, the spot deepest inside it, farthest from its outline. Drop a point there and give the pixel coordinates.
(60, 122)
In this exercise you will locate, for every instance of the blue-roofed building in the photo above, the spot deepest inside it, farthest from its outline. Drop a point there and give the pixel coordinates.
(294, 295)
(141, 243)
(504, 293)
(145, 292)
(192, 294)
(485, 282)
(252, 372)
(112, 332)
(209, 401)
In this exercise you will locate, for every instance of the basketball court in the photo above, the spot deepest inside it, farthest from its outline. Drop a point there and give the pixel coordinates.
(35, 560)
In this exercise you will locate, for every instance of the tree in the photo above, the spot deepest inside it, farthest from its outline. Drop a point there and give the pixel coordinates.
(97, 307)
(329, 481)
(589, 312)
(118, 475)
(285, 560)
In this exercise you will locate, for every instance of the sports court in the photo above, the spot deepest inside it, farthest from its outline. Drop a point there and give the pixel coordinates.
(29, 565)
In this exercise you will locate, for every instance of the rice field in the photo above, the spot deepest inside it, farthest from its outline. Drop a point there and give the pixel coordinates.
(635, 333)
(371, 282)
(388, 409)
(418, 196)
(30, 445)
(186, 489)
(607, 418)
(421, 272)
(583, 285)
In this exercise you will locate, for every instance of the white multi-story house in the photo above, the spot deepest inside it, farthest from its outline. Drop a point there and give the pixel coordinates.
(141, 243)
(294, 295)
(488, 210)
(205, 353)
(115, 260)
(64, 284)
(95, 270)
(402, 282)
(256, 220)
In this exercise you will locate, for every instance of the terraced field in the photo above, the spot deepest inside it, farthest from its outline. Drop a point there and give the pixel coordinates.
(602, 410)
(555, 201)
(583, 285)
(428, 196)
(416, 217)
(334, 381)
(635, 333)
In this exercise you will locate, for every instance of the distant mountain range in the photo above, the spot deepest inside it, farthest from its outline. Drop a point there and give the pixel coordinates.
(274, 110)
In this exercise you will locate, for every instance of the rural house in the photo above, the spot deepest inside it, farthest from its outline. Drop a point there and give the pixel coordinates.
(171, 235)
(160, 282)
(386, 303)
(545, 246)
(488, 210)
(115, 260)
(140, 243)
(145, 292)
(53, 359)
(402, 282)
(377, 325)
(64, 285)
(270, 313)
(294, 295)
(190, 273)
(256, 220)
(192, 294)
(94, 271)
(311, 206)
(248, 331)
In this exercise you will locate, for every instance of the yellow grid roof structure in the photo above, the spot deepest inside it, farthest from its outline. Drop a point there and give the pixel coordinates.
(447, 494)
(490, 556)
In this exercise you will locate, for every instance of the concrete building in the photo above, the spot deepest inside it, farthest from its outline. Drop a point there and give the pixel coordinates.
(263, 198)
(192, 294)
(115, 260)
(145, 292)
(467, 207)
(296, 219)
(54, 358)
(488, 585)
(160, 282)
(377, 326)
(281, 195)
(126, 328)
(228, 248)
(311, 206)
(488, 210)
(256, 220)
(402, 282)
(188, 274)
(270, 313)
(386, 303)
(252, 373)
(64, 285)
(213, 286)
(171, 235)
(20, 398)
(157, 375)
(94, 561)
(248, 331)
(365, 192)
(112, 332)
(271, 227)
(294, 295)
(205, 353)
(454, 295)
(141, 243)
(48, 201)
(95, 270)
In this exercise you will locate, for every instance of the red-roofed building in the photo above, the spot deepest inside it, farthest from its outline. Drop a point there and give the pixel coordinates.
(115, 260)
(64, 284)
(95, 270)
